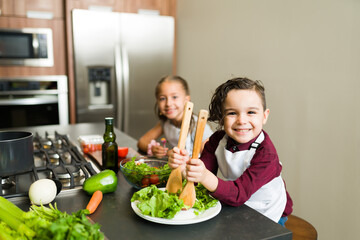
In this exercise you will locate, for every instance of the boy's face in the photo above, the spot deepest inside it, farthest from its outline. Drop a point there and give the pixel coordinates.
(244, 116)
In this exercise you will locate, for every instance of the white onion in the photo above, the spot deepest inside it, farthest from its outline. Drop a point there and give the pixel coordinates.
(42, 191)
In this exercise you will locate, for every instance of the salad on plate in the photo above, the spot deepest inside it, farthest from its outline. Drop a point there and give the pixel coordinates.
(157, 205)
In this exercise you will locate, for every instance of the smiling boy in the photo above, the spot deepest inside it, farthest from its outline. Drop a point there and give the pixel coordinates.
(239, 164)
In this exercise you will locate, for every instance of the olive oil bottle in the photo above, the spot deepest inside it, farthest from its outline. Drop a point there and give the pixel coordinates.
(110, 147)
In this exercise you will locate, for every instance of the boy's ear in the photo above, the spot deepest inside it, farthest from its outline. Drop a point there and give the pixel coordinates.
(187, 98)
(266, 115)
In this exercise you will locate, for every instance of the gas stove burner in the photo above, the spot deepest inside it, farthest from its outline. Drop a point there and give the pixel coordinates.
(7, 182)
(67, 171)
(58, 144)
(55, 158)
(49, 142)
(46, 143)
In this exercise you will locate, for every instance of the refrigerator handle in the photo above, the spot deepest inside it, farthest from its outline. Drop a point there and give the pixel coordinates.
(126, 82)
(119, 88)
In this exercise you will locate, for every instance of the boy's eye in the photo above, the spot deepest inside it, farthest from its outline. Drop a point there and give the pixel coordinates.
(230, 113)
(175, 97)
(251, 112)
(162, 99)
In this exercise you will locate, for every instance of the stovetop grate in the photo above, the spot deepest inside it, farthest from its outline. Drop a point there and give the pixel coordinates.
(70, 166)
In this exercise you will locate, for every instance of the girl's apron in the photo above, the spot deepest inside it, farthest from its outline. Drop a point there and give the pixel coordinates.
(270, 199)
(172, 134)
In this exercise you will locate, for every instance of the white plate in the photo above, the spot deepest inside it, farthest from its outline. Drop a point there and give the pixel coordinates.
(183, 217)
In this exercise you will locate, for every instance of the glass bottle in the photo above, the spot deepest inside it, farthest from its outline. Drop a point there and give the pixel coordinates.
(110, 147)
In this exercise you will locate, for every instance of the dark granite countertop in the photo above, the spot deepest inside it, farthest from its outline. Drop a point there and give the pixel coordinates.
(119, 221)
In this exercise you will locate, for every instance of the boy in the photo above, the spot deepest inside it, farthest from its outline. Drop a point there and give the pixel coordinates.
(239, 164)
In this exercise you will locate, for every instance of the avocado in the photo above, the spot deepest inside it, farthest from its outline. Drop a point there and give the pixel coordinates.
(105, 181)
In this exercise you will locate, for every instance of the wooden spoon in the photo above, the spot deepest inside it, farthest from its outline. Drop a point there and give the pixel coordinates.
(174, 183)
(188, 194)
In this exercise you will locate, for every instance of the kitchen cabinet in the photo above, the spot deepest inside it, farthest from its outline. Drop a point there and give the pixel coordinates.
(6, 7)
(20, 14)
(57, 26)
(44, 8)
(164, 7)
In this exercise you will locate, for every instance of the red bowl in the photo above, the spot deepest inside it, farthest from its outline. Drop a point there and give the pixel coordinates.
(123, 151)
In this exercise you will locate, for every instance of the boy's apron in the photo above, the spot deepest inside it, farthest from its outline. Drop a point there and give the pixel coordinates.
(270, 199)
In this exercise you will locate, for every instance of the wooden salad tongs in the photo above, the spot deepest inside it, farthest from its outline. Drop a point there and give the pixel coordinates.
(188, 194)
(174, 183)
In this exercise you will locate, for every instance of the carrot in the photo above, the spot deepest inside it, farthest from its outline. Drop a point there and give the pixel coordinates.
(94, 201)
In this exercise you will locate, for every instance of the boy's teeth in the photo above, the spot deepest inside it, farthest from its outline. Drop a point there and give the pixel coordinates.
(242, 130)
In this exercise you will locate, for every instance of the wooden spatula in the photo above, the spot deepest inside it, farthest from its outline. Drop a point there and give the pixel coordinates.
(174, 183)
(188, 194)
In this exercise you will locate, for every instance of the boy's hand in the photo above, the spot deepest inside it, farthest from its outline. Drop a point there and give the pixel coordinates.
(178, 158)
(195, 170)
(159, 151)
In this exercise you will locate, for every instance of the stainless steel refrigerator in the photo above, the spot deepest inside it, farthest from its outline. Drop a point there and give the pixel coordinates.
(119, 58)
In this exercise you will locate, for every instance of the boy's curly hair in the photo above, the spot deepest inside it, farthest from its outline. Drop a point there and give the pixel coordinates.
(216, 113)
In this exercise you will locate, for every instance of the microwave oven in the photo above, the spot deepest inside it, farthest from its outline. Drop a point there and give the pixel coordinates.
(26, 47)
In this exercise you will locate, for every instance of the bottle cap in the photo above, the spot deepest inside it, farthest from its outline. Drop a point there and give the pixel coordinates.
(109, 120)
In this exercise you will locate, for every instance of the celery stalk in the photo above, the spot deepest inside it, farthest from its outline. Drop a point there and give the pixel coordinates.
(5, 236)
(5, 232)
(12, 216)
(12, 208)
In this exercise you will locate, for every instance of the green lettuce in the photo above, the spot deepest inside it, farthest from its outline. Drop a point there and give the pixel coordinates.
(203, 200)
(135, 171)
(157, 203)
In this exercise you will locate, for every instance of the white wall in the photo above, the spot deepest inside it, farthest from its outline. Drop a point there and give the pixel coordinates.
(307, 53)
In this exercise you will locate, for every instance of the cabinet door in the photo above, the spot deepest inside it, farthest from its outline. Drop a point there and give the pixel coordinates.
(113, 5)
(164, 7)
(6, 7)
(56, 7)
(20, 8)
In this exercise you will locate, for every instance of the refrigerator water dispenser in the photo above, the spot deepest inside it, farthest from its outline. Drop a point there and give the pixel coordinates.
(99, 85)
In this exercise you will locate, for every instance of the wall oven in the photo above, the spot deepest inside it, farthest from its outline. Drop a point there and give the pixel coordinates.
(33, 101)
(26, 47)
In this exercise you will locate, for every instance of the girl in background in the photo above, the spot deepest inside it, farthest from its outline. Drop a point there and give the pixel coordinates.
(172, 93)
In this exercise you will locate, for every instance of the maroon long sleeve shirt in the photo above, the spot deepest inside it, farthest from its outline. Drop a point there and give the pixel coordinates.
(264, 167)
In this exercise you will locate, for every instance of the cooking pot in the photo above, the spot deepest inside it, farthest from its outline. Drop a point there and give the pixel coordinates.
(16, 152)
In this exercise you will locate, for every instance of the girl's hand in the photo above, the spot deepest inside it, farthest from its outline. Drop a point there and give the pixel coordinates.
(159, 151)
(178, 158)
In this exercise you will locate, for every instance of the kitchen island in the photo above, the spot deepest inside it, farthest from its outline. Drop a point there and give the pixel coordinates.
(119, 221)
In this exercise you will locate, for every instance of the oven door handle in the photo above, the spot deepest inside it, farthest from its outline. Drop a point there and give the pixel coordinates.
(27, 101)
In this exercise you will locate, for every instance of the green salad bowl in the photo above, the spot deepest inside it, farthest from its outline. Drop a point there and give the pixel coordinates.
(142, 173)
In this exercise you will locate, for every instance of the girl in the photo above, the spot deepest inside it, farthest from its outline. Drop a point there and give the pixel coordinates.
(239, 164)
(172, 93)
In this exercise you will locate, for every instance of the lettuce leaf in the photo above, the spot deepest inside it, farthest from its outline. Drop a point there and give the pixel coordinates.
(157, 203)
(203, 199)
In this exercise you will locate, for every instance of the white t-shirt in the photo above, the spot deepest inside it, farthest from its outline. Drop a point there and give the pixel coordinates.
(172, 134)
